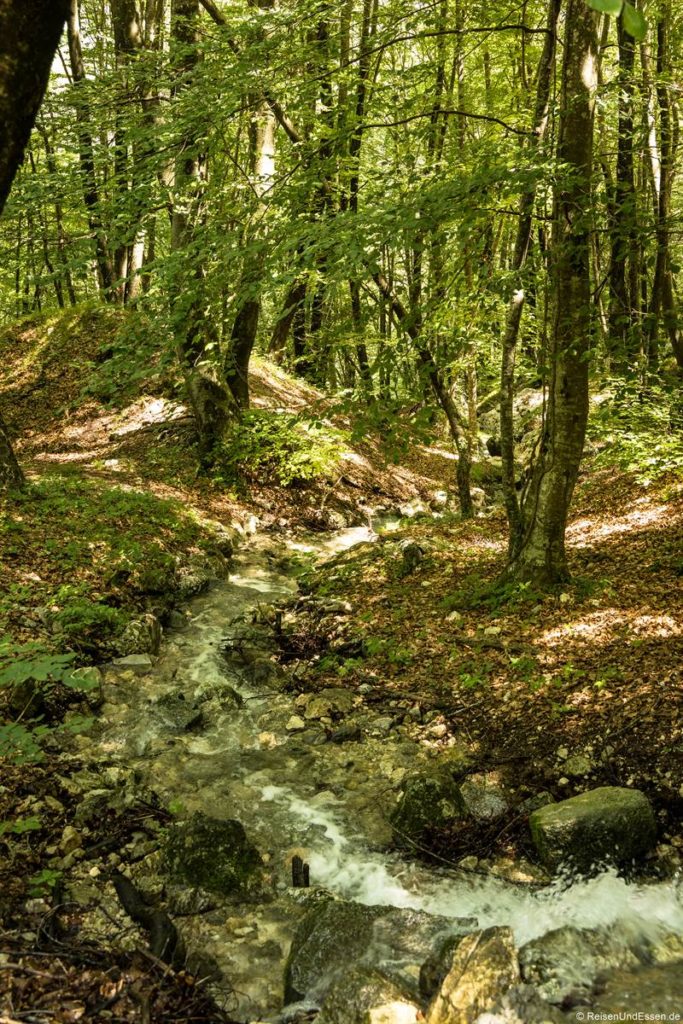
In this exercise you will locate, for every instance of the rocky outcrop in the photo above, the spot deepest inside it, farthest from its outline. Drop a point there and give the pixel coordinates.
(483, 968)
(214, 855)
(609, 825)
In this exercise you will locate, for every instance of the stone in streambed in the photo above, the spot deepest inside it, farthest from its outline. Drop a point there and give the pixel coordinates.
(484, 966)
(365, 996)
(427, 802)
(336, 935)
(610, 825)
(214, 855)
(483, 797)
(563, 964)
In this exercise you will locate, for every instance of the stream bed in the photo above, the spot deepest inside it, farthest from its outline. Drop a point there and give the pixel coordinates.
(296, 794)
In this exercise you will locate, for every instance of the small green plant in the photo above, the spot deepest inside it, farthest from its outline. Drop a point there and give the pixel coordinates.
(280, 448)
(474, 674)
(20, 826)
(33, 674)
(43, 882)
(495, 597)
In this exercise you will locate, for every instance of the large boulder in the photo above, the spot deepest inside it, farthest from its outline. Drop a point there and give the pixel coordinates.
(427, 802)
(483, 968)
(335, 935)
(363, 996)
(609, 825)
(214, 855)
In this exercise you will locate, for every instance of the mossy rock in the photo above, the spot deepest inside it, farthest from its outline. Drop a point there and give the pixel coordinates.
(608, 825)
(214, 855)
(428, 802)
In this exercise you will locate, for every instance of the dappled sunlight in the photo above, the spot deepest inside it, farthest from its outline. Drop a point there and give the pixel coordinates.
(586, 532)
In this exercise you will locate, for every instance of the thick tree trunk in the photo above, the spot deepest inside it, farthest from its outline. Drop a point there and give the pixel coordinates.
(516, 304)
(212, 403)
(541, 556)
(29, 35)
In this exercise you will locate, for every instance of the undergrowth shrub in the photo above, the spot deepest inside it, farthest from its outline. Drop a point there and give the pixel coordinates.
(639, 428)
(280, 448)
(30, 677)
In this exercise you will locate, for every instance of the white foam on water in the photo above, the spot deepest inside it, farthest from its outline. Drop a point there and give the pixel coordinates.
(344, 866)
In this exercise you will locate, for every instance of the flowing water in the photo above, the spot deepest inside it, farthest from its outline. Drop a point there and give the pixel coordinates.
(295, 793)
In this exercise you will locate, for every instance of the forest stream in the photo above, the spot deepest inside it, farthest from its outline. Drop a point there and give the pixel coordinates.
(296, 793)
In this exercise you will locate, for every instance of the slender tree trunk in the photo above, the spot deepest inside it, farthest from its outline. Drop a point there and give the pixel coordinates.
(663, 302)
(624, 211)
(91, 194)
(541, 556)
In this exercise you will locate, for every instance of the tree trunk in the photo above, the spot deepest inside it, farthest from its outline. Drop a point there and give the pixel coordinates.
(623, 217)
(212, 403)
(91, 194)
(541, 556)
(516, 304)
(663, 300)
(29, 35)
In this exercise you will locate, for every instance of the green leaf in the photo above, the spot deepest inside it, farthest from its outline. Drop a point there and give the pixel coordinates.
(634, 22)
(606, 6)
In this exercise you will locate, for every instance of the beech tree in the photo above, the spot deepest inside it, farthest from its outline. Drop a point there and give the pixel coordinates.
(29, 33)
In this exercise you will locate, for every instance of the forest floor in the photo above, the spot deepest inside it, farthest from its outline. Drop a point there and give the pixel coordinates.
(115, 489)
(559, 692)
(556, 692)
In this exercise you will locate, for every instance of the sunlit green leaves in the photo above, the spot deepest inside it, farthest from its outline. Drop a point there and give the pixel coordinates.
(634, 22)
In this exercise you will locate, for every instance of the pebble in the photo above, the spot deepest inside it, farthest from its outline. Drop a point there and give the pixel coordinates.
(295, 724)
(70, 841)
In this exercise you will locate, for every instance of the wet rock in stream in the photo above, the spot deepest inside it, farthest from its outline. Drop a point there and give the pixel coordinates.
(427, 802)
(214, 855)
(608, 825)
(483, 967)
(563, 964)
(335, 935)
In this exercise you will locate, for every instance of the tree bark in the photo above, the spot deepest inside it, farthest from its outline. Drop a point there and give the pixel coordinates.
(517, 299)
(91, 192)
(212, 403)
(29, 35)
(541, 556)
(623, 213)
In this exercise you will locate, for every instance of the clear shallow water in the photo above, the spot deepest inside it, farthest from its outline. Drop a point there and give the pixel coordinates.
(326, 801)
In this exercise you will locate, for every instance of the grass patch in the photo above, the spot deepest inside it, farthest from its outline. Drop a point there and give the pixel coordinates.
(85, 554)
